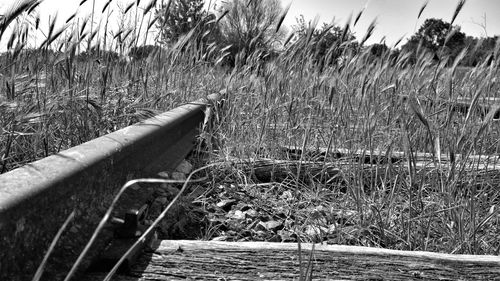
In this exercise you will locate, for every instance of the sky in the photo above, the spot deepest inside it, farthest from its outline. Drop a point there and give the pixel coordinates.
(395, 18)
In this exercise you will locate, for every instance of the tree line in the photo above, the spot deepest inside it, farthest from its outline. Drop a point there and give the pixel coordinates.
(446, 41)
(246, 27)
(234, 31)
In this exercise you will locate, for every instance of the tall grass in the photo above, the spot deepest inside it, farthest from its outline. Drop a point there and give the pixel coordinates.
(383, 106)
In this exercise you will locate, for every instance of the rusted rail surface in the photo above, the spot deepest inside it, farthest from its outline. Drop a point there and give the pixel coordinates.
(36, 199)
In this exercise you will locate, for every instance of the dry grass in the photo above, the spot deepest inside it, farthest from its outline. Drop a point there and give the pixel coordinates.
(444, 207)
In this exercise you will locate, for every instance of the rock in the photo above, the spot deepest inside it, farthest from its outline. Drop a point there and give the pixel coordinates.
(220, 238)
(135, 186)
(226, 204)
(166, 190)
(260, 234)
(178, 176)
(332, 228)
(172, 191)
(343, 216)
(184, 167)
(237, 215)
(314, 230)
(260, 226)
(245, 207)
(180, 172)
(287, 195)
(274, 238)
(286, 236)
(161, 200)
(252, 225)
(161, 191)
(270, 226)
(74, 229)
(246, 233)
(164, 174)
(289, 223)
(234, 225)
(155, 209)
(251, 213)
(183, 222)
(317, 213)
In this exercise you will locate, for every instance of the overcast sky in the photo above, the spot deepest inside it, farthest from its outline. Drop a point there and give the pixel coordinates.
(395, 18)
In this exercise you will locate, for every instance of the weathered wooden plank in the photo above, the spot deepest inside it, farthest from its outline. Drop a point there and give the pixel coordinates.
(266, 170)
(384, 157)
(342, 171)
(462, 105)
(210, 260)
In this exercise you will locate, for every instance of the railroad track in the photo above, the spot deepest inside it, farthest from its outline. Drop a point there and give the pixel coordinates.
(36, 199)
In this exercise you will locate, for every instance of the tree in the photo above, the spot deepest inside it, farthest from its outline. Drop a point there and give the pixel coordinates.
(479, 50)
(96, 53)
(328, 43)
(438, 37)
(142, 52)
(178, 17)
(249, 25)
(378, 50)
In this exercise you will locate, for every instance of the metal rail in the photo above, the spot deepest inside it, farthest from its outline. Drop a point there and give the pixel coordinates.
(36, 198)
